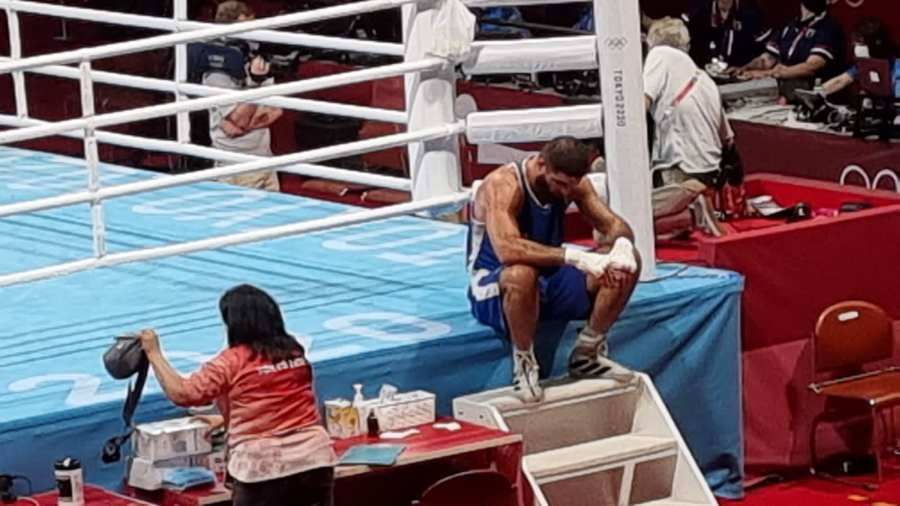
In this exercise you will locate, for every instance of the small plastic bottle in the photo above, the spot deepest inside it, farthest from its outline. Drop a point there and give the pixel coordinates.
(358, 402)
(374, 430)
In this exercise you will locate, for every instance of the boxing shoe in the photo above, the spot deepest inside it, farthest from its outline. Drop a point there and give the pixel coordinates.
(526, 376)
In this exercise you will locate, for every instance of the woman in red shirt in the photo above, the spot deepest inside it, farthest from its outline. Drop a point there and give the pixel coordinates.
(278, 451)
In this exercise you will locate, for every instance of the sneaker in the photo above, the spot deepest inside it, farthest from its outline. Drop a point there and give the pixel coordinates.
(589, 360)
(704, 218)
(584, 363)
(525, 377)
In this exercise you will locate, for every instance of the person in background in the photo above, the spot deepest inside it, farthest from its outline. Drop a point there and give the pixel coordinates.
(243, 128)
(731, 31)
(810, 47)
(278, 452)
(690, 132)
(870, 40)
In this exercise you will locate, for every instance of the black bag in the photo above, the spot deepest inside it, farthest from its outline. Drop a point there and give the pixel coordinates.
(731, 167)
(122, 360)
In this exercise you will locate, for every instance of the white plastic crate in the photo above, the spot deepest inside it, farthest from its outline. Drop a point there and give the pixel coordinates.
(170, 439)
(404, 410)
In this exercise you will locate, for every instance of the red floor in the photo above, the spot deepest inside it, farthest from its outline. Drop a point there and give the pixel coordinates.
(815, 492)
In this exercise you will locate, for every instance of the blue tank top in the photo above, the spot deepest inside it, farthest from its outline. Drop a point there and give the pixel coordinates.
(537, 222)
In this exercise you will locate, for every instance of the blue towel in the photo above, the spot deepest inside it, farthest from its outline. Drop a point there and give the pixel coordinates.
(372, 455)
(183, 478)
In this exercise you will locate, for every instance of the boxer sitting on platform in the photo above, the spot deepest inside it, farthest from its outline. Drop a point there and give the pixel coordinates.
(520, 274)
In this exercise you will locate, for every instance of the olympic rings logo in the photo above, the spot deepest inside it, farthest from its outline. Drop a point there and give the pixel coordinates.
(852, 3)
(616, 43)
(870, 184)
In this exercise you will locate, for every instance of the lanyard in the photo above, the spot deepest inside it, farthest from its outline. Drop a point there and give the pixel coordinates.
(802, 33)
(685, 90)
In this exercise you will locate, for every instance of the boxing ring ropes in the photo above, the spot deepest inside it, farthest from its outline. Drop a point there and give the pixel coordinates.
(431, 122)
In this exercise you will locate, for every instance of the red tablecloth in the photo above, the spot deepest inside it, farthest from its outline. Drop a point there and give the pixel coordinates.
(815, 155)
(93, 496)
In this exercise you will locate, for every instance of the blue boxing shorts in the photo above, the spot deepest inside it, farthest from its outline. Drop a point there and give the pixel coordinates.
(563, 297)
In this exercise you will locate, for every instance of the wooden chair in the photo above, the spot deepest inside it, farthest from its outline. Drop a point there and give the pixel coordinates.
(471, 488)
(848, 336)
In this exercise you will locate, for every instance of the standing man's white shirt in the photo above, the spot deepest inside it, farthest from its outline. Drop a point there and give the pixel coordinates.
(690, 134)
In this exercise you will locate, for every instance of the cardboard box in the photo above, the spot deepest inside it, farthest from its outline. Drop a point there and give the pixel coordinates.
(170, 439)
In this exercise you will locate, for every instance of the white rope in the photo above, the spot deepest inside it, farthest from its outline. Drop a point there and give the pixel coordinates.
(147, 144)
(291, 103)
(92, 159)
(519, 3)
(534, 125)
(551, 54)
(326, 153)
(170, 25)
(155, 111)
(263, 234)
(212, 32)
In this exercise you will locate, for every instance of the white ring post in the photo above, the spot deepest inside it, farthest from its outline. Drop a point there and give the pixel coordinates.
(625, 128)
(92, 158)
(430, 95)
(183, 124)
(15, 52)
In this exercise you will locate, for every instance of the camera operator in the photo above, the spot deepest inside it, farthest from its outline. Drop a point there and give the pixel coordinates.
(243, 127)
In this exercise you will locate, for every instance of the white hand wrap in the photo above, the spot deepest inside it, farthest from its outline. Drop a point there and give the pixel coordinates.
(621, 256)
(587, 262)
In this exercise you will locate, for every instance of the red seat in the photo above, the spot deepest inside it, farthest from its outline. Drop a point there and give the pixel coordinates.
(848, 336)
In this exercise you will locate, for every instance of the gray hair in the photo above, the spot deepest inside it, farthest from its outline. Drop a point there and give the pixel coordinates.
(670, 32)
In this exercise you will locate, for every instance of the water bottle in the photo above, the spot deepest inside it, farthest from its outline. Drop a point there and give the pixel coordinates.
(69, 482)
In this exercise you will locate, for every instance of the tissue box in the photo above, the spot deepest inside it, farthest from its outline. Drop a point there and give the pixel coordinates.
(170, 439)
(404, 410)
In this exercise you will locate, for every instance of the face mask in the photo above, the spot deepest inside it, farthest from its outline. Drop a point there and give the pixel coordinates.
(861, 51)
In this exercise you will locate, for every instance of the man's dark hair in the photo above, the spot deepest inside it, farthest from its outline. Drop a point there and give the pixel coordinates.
(254, 319)
(872, 32)
(567, 155)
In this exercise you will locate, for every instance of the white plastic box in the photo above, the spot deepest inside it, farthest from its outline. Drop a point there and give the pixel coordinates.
(170, 439)
(403, 410)
(148, 475)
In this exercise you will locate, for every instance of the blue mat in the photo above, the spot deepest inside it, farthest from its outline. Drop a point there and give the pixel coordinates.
(375, 303)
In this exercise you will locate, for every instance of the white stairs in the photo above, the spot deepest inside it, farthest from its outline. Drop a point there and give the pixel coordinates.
(595, 443)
